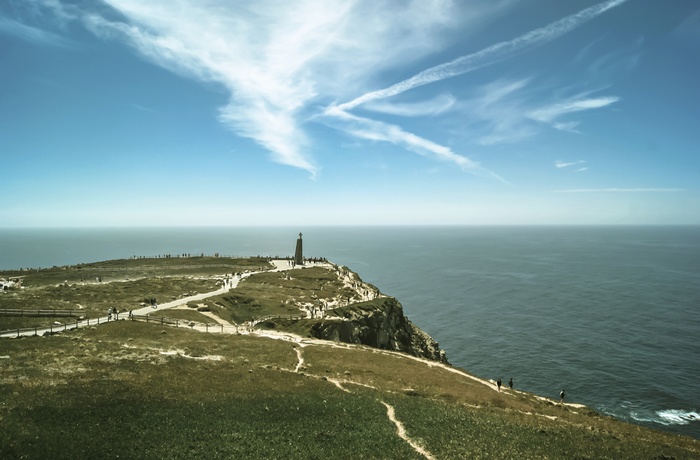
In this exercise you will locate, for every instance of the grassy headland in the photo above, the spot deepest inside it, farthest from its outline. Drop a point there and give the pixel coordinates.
(137, 390)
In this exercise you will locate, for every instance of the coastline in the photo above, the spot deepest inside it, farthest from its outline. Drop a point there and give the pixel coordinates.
(492, 294)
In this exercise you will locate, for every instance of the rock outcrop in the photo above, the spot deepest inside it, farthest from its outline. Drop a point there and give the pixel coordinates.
(379, 323)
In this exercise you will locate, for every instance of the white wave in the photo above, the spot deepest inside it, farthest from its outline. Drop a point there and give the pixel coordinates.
(677, 417)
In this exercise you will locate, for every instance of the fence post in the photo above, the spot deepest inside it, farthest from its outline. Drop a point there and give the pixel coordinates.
(17, 332)
(35, 331)
(207, 327)
(222, 328)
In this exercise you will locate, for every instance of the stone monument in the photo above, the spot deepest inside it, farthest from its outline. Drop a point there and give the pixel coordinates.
(298, 254)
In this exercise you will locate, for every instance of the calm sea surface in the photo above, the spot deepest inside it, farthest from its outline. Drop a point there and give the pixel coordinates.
(611, 314)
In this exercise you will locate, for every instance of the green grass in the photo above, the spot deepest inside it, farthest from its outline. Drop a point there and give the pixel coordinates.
(125, 284)
(118, 268)
(185, 315)
(494, 433)
(137, 390)
(160, 406)
(109, 391)
(278, 293)
(95, 299)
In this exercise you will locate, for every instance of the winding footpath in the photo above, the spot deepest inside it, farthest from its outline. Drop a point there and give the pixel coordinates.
(300, 342)
(280, 265)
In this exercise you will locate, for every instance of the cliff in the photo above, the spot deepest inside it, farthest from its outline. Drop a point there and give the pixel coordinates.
(379, 323)
(253, 394)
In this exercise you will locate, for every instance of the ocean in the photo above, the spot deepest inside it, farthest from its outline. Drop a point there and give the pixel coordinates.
(611, 314)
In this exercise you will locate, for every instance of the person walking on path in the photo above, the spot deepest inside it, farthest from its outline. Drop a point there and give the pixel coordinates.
(510, 383)
(561, 396)
(498, 383)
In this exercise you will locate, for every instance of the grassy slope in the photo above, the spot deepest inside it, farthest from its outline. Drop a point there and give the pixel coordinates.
(266, 294)
(125, 285)
(108, 392)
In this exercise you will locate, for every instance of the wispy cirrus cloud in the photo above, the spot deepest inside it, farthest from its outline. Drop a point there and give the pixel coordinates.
(512, 110)
(567, 126)
(280, 63)
(488, 55)
(550, 113)
(33, 34)
(374, 130)
(434, 106)
(501, 128)
(564, 164)
(278, 59)
(621, 190)
(689, 29)
(497, 111)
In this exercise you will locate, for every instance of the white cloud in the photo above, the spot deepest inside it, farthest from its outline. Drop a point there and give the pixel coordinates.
(621, 190)
(550, 113)
(563, 164)
(498, 109)
(33, 34)
(278, 59)
(435, 106)
(375, 130)
(488, 55)
(689, 29)
(501, 128)
(569, 126)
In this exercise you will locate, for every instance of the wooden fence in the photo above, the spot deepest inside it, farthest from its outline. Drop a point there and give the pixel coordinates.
(185, 323)
(53, 327)
(265, 318)
(47, 312)
(36, 330)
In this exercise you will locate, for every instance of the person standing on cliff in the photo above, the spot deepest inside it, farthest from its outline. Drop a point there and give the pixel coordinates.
(498, 383)
(510, 383)
(561, 396)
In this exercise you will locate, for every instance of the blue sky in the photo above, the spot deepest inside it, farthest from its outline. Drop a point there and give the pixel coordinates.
(224, 112)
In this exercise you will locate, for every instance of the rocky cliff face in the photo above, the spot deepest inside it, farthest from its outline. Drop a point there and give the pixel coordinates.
(379, 323)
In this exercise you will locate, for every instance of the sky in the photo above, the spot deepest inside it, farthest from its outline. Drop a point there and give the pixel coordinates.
(349, 112)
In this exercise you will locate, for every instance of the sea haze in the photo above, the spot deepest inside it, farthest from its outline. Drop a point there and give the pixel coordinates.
(608, 313)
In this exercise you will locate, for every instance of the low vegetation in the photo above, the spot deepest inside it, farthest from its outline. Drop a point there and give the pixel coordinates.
(125, 284)
(142, 390)
(279, 293)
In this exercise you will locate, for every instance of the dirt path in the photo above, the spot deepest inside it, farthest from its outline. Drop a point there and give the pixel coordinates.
(401, 432)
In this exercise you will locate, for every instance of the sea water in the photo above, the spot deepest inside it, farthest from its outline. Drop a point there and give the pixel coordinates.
(611, 314)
